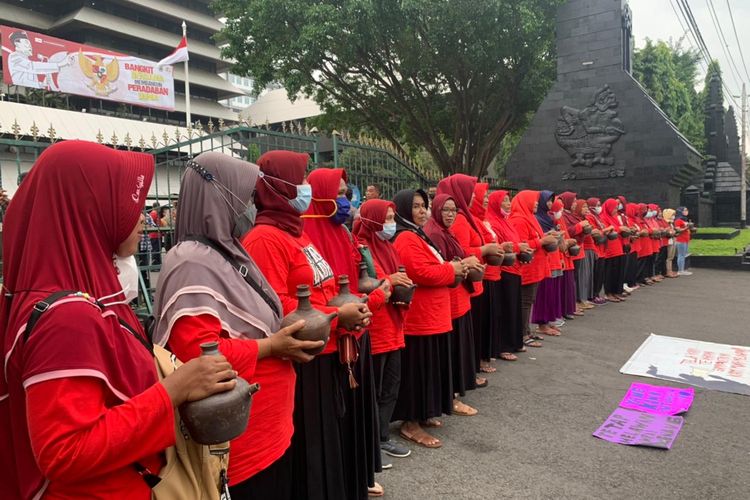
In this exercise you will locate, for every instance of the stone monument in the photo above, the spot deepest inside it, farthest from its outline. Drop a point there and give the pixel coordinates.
(597, 132)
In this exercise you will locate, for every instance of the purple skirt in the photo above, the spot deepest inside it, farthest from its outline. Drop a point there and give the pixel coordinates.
(569, 292)
(548, 305)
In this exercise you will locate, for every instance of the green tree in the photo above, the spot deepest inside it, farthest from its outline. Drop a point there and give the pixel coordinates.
(453, 77)
(669, 74)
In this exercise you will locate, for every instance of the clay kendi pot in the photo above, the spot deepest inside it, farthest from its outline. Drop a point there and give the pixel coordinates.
(401, 295)
(550, 247)
(475, 275)
(599, 239)
(220, 417)
(625, 233)
(525, 257)
(367, 284)
(457, 279)
(509, 258)
(345, 296)
(574, 250)
(317, 324)
(494, 259)
(612, 236)
(587, 229)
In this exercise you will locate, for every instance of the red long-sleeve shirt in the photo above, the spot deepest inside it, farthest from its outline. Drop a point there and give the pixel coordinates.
(430, 309)
(270, 427)
(384, 335)
(287, 261)
(85, 443)
(470, 242)
(536, 270)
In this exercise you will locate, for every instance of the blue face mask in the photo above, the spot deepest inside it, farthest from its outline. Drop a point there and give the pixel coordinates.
(342, 210)
(304, 197)
(388, 231)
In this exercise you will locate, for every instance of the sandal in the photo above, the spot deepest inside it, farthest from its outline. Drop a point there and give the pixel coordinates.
(507, 356)
(463, 409)
(522, 349)
(487, 369)
(375, 491)
(481, 382)
(550, 333)
(431, 422)
(421, 438)
(534, 336)
(531, 342)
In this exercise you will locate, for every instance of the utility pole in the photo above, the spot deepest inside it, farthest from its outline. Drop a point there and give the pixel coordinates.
(743, 162)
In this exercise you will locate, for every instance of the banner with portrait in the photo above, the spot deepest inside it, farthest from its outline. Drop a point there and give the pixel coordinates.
(44, 62)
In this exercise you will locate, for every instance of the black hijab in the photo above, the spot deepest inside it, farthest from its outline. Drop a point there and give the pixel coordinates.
(404, 200)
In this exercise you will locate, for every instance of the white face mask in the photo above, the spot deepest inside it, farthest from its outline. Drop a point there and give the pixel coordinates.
(558, 214)
(127, 274)
(597, 210)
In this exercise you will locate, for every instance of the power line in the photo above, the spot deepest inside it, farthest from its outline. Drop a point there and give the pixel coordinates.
(723, 42)
(685, 33)
(739, 45)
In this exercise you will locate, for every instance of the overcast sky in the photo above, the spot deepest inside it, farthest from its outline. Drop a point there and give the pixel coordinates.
(655, 19)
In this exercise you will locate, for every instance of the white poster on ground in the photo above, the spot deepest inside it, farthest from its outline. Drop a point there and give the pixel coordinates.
(719, 367)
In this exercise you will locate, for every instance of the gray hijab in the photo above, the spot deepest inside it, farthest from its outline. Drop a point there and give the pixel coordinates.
(195, 279)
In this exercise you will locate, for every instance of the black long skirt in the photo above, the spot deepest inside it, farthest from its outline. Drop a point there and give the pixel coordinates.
(483, 327)
(511, 319)
(463, 364)
(495, 311)
(319, 468)
(426, 378)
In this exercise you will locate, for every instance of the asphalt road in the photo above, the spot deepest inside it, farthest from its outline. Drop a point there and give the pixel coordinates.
(532, 437)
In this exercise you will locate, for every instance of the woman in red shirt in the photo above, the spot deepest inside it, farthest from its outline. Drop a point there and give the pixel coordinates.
(467, 232)
(202, 298)
(576, 224)
(464, 366)
(522, 216)
(600, 231)
(509, 299)
(426, 382)
(548, 306)
(374, 228)
(287, 258)
(614, 255)
(324, 223)
(80, 401)
(633, 260)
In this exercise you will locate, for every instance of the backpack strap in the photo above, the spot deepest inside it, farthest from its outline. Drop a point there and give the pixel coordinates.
(42, 306)
(240, 268)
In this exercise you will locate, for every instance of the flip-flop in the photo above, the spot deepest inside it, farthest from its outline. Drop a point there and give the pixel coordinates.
(487, 369)
(522, 349)
(481, 385)
(534, 336)
(550, 333)
(420, 441)
(532, 343)
(375, 491)
(507, 356)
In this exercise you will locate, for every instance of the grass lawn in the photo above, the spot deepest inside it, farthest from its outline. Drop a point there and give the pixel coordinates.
(720, 247)
(716, 230)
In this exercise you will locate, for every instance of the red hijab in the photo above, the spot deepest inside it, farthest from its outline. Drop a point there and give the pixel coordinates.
(272, 195)
(460, 187)
(499, 222)
(439, 233)
(606, 216)
(522, 208)
(477, 205)
(77, 205)
(334, 242)
(372, 217)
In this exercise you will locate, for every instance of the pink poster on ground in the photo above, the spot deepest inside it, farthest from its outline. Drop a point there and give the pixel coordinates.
(637, 428)
(657, 399)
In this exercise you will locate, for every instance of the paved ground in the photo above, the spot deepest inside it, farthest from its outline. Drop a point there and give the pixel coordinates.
(532, 438)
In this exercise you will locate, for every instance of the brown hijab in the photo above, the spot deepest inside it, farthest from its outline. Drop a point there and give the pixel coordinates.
(214, 196)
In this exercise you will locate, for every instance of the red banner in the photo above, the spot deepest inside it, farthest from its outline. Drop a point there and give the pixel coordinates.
(44, 62)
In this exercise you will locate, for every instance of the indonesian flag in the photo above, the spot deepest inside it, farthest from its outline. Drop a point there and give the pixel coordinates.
(179, 54)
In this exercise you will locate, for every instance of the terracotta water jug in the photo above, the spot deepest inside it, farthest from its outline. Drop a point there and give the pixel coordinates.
(509, 258)
(317, 324)
(599, 239)
(367, 284)
(457, 279)
(587, 229)
(525, 257)
(624, 233)
(345, 295)
(220, 417)
(612, 236)
(550, 247)
(402, 295)
(494, 259)
(574, 250)
(475, 275)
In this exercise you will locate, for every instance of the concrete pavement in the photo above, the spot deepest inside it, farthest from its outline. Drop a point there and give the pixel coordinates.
(532, 437)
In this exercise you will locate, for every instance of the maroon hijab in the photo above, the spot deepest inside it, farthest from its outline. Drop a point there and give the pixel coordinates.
(499, 222)
(439, 233)
(272, 194)
(77, 205)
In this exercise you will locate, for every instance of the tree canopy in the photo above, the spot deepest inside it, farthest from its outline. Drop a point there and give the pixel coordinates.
(452, 77)
(669, 74)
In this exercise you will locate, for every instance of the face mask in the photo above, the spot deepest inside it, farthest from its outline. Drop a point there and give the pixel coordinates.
(388, 231)
(597, 210)
(619, 207)
(558, 214)
(505, 212)
(245, 221)
(342, 210)
(304, 197)
(127, 275)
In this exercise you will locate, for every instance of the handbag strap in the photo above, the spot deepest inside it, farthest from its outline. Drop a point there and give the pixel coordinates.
(240, 268)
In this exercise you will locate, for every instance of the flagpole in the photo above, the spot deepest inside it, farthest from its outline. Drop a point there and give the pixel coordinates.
(187, 84)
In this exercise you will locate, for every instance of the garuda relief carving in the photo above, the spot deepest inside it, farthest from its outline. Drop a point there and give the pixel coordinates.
(587, 134)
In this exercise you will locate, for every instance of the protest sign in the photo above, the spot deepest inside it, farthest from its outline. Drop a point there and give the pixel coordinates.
(657, 399)
(637, 428)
